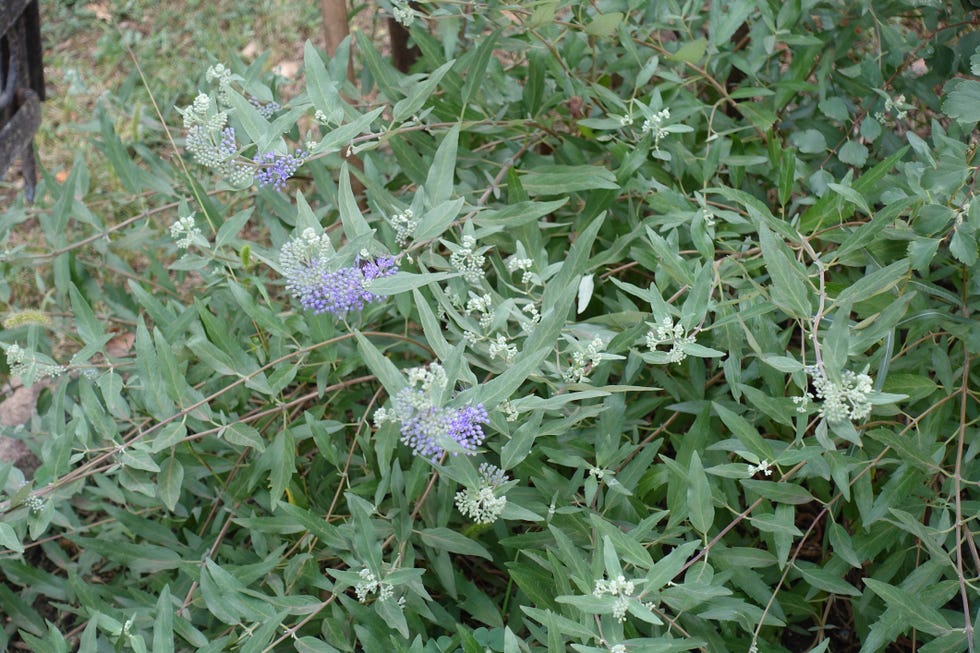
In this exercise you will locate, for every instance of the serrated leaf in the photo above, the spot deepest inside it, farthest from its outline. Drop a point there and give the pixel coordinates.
(810, 141)
(853, 153)
(962, 100)
(963, 246)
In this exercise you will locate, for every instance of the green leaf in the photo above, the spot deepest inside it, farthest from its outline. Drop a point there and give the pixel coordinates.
(963, 246)
(256, 126)
(961, 100)
(280, 456)
(476, 71)
(380, 365)
(436, 220)
(355, 225)
(243, 435)
(874, 283)
(9, 539)
(853, 153)
(667, 568)
(834, 107)
(561, 179)
(605, 25)
(790, 287)
(851, 196)
(420, 93)
(321, 89)
(170, 481)
(810, 141)
(163, 623)
(779, 492)
(841, 545)
(746, 433)
(782, 363)
(701, 509)
(383, 72)
(787, 174)
(445, 539)
(439, 183)
(88, 326)
(117, 155)
(825, 580)
(341, 136)
(690, 52)
(230, 227)
(919, 615)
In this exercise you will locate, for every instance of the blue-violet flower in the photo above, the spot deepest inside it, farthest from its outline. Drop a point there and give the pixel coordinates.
(274, 169)
(306, 265)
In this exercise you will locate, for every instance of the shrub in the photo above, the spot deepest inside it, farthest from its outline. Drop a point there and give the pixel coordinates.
(620, 326)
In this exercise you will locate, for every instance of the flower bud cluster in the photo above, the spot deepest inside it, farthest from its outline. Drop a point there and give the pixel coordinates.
(515, 263)
(654, 125)
(35, 504)
(847, 400)
(370, 584)
(482, 304)
(24, 363)
(481, 504)
(404, 224)
(403, 14)
(668, 333)
(185, 233)
(265, 109)
(429, 428)
(619, 587)
(583, 361)
(468, 261)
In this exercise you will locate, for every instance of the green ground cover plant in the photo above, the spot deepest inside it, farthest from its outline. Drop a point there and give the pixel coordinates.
(616, 326)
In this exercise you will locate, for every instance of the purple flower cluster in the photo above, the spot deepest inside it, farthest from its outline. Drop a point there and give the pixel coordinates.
(274, 169)
(430, 428)
(338, 291)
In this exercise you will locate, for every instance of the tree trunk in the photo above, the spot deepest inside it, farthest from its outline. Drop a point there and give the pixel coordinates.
(336, 28)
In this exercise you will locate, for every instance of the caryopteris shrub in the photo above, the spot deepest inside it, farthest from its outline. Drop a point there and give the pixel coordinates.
(615, 326)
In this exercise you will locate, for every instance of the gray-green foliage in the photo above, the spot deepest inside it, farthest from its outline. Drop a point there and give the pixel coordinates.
(710, 267)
